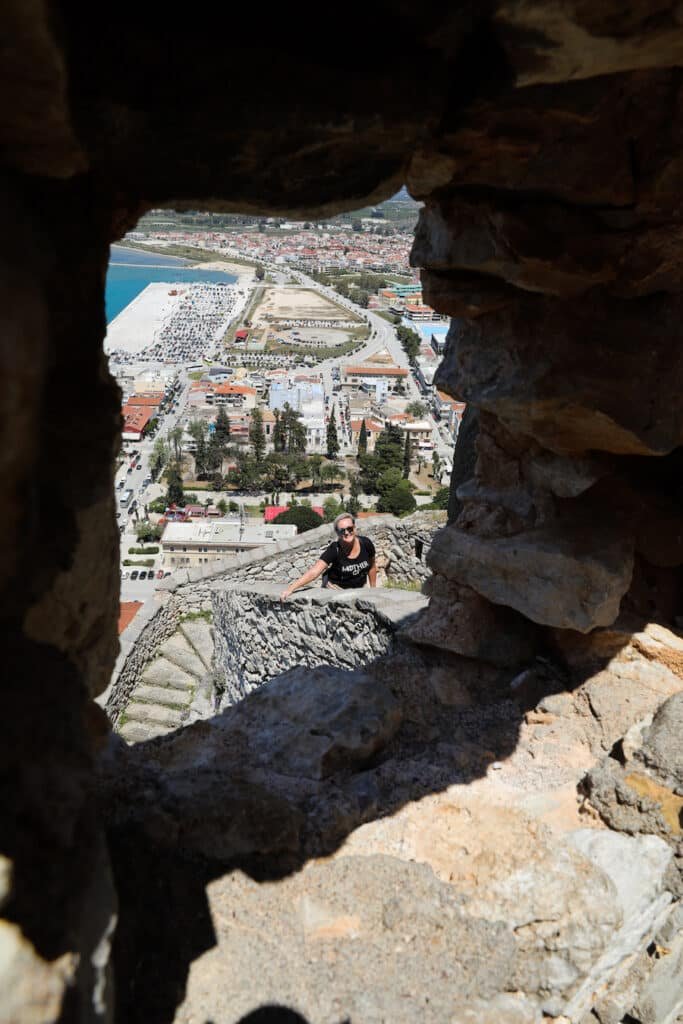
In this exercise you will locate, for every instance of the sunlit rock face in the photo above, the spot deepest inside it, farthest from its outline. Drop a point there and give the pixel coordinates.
(545, 143)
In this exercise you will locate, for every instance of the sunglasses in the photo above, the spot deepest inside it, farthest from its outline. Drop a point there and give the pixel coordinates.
(346, 529)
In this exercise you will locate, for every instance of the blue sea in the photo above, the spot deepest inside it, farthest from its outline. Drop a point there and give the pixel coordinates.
(131, 270)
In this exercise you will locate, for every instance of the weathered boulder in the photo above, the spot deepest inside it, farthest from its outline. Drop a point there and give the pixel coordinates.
(662, 749)
(459, 620)
(639, 788)
(562, 576)
(585, 390)
(358, 938)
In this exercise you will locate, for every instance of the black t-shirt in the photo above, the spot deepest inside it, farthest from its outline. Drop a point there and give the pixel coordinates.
(345, 572)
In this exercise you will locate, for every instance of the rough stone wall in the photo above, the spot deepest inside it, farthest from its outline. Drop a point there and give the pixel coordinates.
(259, 637)
(545, 140)
(189, 591)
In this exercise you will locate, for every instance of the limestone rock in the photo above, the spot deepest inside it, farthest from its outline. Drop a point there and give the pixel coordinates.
(639, 789)
(33, 989)
(564, 477)
(459, 620)
(662, 749)
(637, 867)
(310, 722)
(572, 578)
(361, 938)
(583, 392)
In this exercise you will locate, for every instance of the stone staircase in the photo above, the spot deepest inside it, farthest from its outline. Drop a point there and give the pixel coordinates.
(176, 688)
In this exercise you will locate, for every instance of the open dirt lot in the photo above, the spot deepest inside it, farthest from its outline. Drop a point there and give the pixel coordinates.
(297, 304)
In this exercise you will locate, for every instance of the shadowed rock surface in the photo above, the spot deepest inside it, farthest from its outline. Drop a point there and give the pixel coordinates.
(545, 142)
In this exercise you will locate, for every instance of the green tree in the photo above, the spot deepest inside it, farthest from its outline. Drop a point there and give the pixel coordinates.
(175, 494)
(332, 508)
(159, 456)
(257, 436)
(146, 531)
(389, 447)
(213, 461)
(436, 465)
(222, 506)
(410, 341)
(198, 431)
(175, 438)
(222, 428)
(388, 480)
(295, 431)
(353, 504)
(302, 517)
(259, 272)
(398, 500)
(246, 475)
(279, 433)
(416, 409)
(315, 465)
(332, 439)
(441, 498)
(332, 473)
(407, 456)
(363, 439)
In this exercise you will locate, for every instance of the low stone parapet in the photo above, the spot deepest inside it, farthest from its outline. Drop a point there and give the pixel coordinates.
(258, 636)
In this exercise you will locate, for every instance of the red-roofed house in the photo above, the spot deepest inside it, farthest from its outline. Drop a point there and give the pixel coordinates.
(135, 419)
(238, 396)
(373, 428)
(127, 612)
(271, 512)
(369, 376)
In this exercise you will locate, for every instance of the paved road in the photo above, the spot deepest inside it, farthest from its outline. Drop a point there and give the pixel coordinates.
(382, 337)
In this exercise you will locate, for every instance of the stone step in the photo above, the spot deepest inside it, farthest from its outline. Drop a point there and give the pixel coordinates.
(137, 732)
(180, 652)
(154, 714)
(162, 695)
(199, 633)
(164, 673)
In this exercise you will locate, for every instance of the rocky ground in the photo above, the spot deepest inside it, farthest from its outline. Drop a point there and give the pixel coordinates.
(432, 838)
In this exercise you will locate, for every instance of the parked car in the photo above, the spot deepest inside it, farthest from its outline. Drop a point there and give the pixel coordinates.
(142, 574)
(134, 574)
(126, 574)
(160, 574)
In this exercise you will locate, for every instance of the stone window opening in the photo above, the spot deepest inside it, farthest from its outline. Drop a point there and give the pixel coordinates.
(554, 624)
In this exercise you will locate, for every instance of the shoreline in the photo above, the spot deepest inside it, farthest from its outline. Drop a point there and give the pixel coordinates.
(243, 273)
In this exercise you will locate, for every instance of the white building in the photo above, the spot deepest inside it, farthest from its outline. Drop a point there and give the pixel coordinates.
(199, 542)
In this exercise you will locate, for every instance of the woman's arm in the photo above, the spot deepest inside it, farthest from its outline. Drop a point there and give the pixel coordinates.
(307, 577)
(372, 574)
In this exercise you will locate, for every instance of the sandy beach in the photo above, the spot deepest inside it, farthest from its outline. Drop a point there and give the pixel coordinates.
(137, 325)
(245, 275)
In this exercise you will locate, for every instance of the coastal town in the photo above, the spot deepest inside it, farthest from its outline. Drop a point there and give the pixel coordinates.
(300, 385)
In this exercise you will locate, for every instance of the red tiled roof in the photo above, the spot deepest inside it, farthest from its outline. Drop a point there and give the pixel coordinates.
(149, 398)
(271, 512)
(127, 612)
(381, 371)
(136, 418)
(234, 389)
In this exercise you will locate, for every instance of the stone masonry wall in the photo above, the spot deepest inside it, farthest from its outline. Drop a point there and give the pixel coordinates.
(259, 637)
(189, 591)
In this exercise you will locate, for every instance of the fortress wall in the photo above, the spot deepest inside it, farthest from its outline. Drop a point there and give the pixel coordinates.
(259, 637)
(192, 591)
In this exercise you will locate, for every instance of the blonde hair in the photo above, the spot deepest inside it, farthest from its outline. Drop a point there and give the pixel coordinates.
(343, 515)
